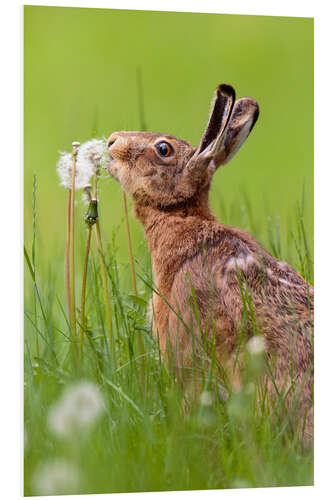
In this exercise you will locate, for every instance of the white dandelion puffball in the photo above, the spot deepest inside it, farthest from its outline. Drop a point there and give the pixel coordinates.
(206, 398)
(256, 345)
(57, 477)
(78, 408)
(65, 168)
(91, 157)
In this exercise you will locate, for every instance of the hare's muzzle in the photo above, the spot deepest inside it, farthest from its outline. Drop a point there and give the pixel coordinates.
(115, 150)
(117, 146)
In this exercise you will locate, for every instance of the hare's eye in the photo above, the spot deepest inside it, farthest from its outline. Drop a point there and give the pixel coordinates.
(164, 148)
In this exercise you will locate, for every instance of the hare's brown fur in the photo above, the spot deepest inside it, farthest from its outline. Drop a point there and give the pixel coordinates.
(194, 255)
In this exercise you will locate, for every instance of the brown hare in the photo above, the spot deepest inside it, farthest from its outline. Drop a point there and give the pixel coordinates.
(196, 258)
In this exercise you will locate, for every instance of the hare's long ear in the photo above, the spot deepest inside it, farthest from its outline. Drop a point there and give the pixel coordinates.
(243, 118)
(213, 136)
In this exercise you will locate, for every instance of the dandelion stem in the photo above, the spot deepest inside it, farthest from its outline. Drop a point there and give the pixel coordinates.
(103, 268)
(67, 277)
(90, 218)
(95, 186)
(83, 293)
(104, 280)
(72, 254)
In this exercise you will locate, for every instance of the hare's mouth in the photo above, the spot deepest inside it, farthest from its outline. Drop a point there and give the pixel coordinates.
(112, 168)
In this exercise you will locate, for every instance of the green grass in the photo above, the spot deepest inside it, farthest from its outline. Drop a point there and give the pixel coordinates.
(145, 439)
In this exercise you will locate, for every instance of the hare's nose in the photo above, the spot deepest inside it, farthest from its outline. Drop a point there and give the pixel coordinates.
(112, 139)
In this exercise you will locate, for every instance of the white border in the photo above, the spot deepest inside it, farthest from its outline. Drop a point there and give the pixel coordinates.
(297, 8)
(12, 231)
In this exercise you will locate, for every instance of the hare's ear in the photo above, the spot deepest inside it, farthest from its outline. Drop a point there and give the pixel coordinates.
(212, 138)
(243, 118)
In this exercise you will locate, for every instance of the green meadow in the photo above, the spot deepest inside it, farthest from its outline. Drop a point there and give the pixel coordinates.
(87, 73)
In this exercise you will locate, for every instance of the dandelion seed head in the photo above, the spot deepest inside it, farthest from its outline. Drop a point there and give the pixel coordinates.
(65, 168)
(239, 482)
(256, 345)
(93, 155)
(77, 409)
(56, 477)
(206, 398)
(62, 421)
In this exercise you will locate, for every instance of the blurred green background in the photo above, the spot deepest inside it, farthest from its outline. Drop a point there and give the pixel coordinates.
(80, 69)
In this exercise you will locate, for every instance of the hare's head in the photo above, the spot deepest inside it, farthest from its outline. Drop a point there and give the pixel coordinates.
(164, 171)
